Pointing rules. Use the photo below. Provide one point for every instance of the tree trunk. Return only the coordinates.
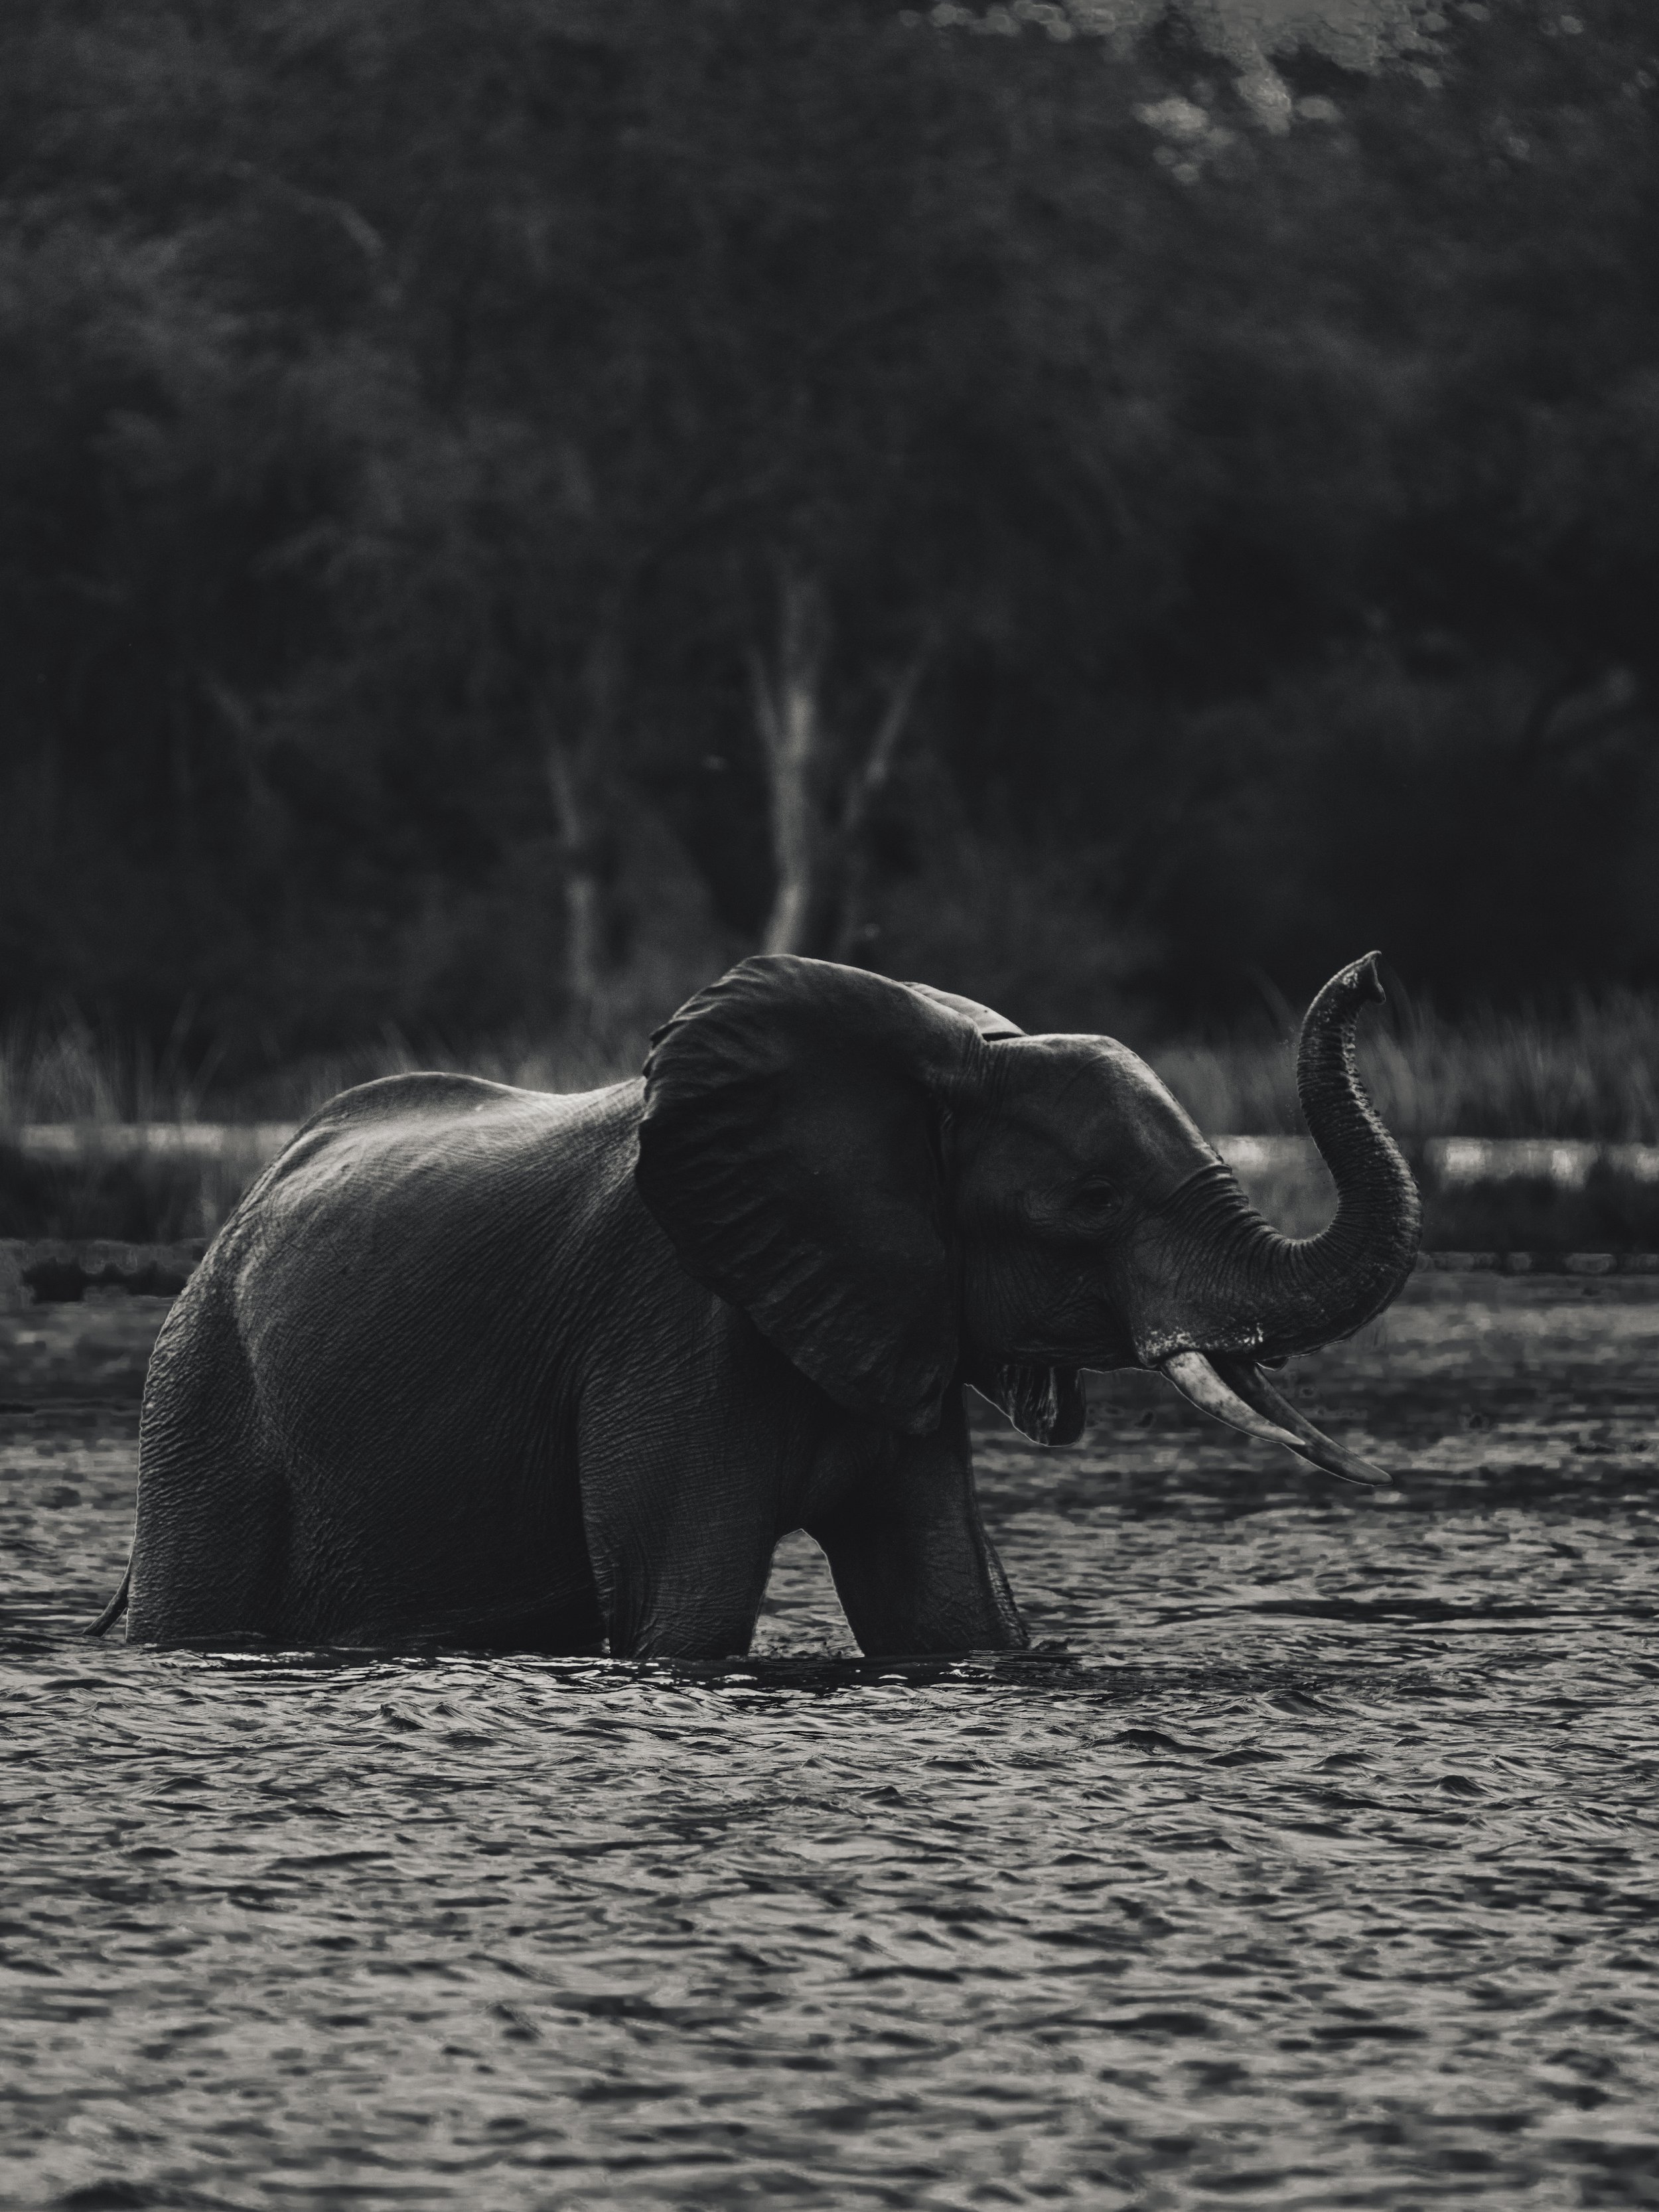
(821, 797)
(574, 767)
(863, 790)
(789, 710)
(582, 878)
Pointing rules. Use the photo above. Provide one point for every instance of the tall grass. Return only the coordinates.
(103, 1183)
(1591, 1071)
(69, 1071)
(66, 1070)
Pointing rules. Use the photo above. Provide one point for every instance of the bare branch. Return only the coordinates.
(766, 705)
(867, 785)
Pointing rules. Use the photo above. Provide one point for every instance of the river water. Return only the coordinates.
(1321, 1868)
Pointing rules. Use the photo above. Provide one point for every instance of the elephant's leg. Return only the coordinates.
(210, 1548)
(680, 1505)
(679, 1577)
(913, 1566)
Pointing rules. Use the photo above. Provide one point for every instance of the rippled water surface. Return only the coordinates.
(1322, 1869)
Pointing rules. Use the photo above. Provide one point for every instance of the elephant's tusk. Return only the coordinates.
(1197, 1381)
(1244, 1377)
(1200, 1383)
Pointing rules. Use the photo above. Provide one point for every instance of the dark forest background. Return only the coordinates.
(506, 505)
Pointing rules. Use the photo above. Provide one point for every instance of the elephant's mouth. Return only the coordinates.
(1234, 1390)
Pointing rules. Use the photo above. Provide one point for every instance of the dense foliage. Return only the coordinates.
(418, 415)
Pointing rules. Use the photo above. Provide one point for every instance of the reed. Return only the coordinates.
(1590, 1070)
(70, 1071)
(154, 1190)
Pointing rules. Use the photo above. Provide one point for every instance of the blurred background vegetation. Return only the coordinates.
(508, 505)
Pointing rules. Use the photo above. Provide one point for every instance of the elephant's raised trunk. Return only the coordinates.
(1271, 1295)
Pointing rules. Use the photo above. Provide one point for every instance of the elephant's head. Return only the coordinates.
(904, 1191)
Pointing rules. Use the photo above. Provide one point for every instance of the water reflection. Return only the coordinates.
(1319, 1867)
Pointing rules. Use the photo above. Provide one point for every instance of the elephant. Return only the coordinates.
(510, 1369)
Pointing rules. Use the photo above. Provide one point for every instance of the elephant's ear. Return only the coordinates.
(1044, 1403)
(990, 1025)
(789, 1150)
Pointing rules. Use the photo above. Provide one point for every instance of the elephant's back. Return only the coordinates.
(419, 1240)
(419, 1187)
(463, 1118)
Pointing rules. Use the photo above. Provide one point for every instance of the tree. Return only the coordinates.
(446, 444)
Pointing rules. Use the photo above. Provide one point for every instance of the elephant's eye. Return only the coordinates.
(1098, 1191)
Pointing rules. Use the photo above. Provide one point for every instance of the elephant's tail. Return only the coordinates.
(117, 1606)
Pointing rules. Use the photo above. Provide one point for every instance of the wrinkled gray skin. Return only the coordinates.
(508, 1370)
